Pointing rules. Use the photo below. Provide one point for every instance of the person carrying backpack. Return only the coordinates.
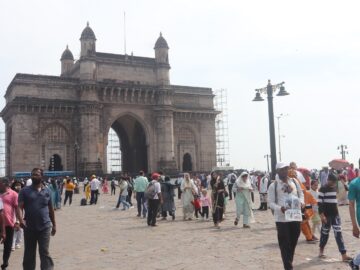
(154, 197)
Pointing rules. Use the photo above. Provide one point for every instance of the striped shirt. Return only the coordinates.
(327, 201)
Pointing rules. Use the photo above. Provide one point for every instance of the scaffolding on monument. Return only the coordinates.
(113, 152)
(222, 129)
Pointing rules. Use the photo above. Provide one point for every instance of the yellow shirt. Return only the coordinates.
(69, 187)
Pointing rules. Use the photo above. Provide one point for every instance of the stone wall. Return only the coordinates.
(143, 75)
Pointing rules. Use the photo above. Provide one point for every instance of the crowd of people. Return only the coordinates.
(301, 201)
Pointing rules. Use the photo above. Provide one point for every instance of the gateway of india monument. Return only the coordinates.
(61, 123)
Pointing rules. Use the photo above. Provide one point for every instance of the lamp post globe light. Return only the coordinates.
(270, 90)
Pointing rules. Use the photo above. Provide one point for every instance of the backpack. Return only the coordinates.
(83, 202)
(150, 192)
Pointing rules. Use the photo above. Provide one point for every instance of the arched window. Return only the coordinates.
(55, 133)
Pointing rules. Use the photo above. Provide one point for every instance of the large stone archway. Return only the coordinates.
(133, 143)
(70, 115)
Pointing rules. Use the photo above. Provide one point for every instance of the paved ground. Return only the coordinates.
(98, 237)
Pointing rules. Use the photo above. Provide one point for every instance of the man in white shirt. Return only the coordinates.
(123, 194)
(288, 232)
(94, 187)
(154, 201)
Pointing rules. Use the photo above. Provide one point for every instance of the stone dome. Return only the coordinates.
(87, 33)
(67, 54)
(161, 43)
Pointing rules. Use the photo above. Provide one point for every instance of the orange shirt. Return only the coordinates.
(69, 186)
(310, 201)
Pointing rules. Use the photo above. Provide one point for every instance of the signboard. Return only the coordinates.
(46, 173)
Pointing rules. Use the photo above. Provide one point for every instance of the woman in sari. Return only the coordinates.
(188, 189)
(218, 198)
(243, 188)
(55, 194)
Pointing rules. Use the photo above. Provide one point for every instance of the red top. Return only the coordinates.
(10, 201)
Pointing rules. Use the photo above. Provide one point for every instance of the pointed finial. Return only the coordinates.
(67, 46)
(160, 34)
(87, 23)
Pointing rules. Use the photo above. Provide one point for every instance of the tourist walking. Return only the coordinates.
(105, 186)
(40, 222)
(140, 185)
(284, 193)
(168, 194)
(94, 187)
(55, 194)
(69, 191)
(205, 204)
(188, 189)
(18, 232)
(154, 198)
(113, 186)
(10, 205)
(217, 198)
(315, 220)
(263, 191)
(329, 215)
(231, 181)
(243, 202)
(123, 195)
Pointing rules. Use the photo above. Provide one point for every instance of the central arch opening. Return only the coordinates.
(132, 154)
(55, 163)
(187, 163)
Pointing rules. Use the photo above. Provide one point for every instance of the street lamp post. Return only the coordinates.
(279, 133)
(267, 161)
(269, 90)
(343, 151)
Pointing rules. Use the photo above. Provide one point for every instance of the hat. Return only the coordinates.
(93, 176)
(155, 176)
(281, 165)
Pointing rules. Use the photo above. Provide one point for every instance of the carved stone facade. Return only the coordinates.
(160, 126)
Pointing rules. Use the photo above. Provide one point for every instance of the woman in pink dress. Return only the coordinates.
(105, 186)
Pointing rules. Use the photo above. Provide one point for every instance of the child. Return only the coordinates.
(329, 215)
(197, 205)
(316, 221)
(205, 204)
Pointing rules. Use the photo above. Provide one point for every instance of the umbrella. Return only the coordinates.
(339, 164)
(304, 171)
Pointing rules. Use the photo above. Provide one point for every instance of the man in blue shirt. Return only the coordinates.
(39, 222)
(354, 197)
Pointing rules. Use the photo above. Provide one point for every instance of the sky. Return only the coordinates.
(314, 46)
